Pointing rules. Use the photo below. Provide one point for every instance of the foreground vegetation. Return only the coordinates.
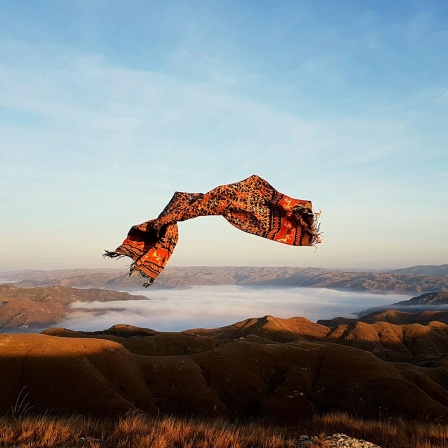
(138, 430)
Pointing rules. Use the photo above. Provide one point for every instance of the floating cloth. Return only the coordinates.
(251, 205)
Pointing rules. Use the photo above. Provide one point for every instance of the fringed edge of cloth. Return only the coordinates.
(316, 234)
(133, 270)
(308, 221)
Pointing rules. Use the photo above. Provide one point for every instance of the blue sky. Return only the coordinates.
(108, 107)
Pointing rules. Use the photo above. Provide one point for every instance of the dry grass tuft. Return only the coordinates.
(321, 442)
(169, 432)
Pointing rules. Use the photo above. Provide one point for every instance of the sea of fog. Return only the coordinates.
(216, 306)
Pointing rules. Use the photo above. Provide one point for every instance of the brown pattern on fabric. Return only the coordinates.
(251, 205)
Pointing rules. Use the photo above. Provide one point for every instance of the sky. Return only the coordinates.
(109, 107)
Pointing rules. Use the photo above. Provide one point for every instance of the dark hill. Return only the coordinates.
(431, 301)
(240, 378)
(430, 298)
(263, 366)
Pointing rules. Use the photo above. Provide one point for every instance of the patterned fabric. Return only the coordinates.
(251, 205)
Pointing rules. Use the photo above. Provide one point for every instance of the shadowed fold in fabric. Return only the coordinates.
(251, 205)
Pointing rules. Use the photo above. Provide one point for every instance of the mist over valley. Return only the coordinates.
(209, 297)
(216, 306)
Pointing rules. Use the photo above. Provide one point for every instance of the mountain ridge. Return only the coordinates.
(397, 281)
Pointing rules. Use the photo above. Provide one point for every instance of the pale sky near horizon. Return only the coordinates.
(108, 107)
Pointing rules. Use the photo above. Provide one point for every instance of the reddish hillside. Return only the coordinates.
(43, 306)
(387, 341)
(240, 378)
(266, 366)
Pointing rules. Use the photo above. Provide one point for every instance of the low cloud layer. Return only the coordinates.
(215, 306)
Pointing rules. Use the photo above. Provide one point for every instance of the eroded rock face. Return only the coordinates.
(251, 375)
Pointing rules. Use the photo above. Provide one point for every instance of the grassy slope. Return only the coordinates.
(140, 430)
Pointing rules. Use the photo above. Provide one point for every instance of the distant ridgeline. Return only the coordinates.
(413, 280)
